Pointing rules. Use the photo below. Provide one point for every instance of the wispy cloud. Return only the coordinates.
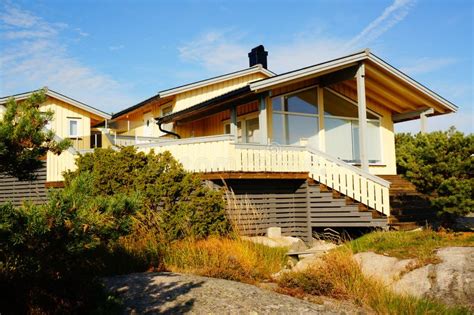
(223, 50)
(426, 64)
(392, 15)
(33, 56)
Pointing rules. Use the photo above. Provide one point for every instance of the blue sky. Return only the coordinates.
(113, 54)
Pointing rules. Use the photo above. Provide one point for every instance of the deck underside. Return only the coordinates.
(297, 206)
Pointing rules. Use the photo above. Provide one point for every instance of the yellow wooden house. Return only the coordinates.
(313, 147)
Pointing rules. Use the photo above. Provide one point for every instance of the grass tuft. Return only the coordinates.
(232, 259)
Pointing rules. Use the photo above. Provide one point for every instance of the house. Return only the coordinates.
(72, 120)
(310, 148)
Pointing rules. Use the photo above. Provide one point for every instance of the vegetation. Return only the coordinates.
(415, 244)
(23, 138)
(50, 254)
(340, 277)
(187, 207)
(232, 259)
(440, 164)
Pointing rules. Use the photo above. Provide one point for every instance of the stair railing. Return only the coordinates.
(349, 180)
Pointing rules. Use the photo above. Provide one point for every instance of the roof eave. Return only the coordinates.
(199, 84)
(60, 97)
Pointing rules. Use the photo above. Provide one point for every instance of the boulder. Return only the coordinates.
(385, 268)
(451, 280)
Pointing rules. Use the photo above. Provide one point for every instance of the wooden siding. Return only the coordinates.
(15, 191)
(196, 96)
(294, 205)
(213, 125)
(62, 112)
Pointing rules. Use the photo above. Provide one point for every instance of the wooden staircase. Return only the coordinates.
(409, 208)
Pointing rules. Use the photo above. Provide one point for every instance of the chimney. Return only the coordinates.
(258, 55)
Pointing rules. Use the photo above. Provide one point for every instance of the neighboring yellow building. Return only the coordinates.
(72, 120)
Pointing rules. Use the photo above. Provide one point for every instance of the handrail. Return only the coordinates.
(355, 169)
(186, 141)
(269, 146)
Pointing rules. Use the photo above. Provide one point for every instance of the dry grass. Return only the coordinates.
(231, 259)
(245, 217)
(145, 242)
(339, 276)
(420, 245)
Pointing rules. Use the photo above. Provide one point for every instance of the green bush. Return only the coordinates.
(51, 254)
(187, 207)
(440, 164)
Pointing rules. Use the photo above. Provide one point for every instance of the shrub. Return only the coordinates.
(440, 164)
(50, 254)
(187, 207)
(232, 259)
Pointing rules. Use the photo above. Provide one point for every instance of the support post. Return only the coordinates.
(361, 103)
(233, 123)
(321, 132)
(262, 119)
(424, 119)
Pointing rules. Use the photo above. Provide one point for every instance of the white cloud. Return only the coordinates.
(225, 50)
(34, 56)
(426, 65)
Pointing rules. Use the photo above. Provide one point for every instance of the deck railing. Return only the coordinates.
(222, 154)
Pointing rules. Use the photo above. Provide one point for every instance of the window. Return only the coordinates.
(73, 128)
(248, 129)
(342, 130)
(295, 118)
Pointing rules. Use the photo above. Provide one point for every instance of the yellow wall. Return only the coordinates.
(60, 123)
(182, 101)
(196, 96)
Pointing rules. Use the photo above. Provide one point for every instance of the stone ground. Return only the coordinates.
(172, 293)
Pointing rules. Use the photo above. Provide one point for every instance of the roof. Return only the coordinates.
(198, 84)
(131, 108)
(60, 97)
(209, 105)
(225, 77)
(344, 62)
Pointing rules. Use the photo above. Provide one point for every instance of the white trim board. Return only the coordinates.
(60, 97)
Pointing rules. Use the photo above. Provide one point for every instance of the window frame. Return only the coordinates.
(77, 120)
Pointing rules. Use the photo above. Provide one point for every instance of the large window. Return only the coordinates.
(342, 130)
(295, 118)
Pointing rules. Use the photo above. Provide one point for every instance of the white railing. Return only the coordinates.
(222, 154)
(120, 140)
(349, 180)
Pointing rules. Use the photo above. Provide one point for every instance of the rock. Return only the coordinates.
(451, 281)
(416, 282)
(322, 245)
(454, 281)
(274, 232)
(387, 269)
(293, 244)
(306, 263)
